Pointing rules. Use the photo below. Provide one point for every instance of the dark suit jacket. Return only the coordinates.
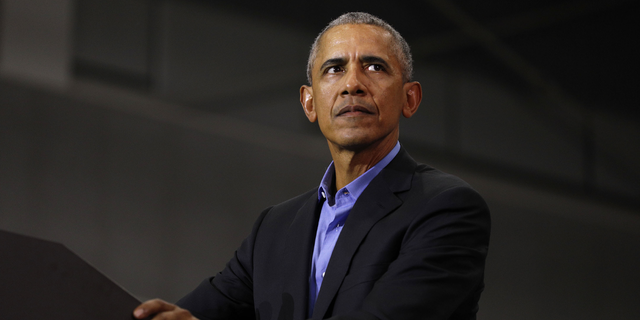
(413, 247)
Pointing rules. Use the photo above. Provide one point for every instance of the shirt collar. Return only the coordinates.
(357, 186)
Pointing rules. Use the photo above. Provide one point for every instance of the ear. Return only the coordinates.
(413, 91)
(306, 99)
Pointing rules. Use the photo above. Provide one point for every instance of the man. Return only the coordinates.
(382, 237)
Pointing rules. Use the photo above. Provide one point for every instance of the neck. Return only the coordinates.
(350, 164)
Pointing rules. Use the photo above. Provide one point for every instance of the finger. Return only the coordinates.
(151, 307)
(176, 314)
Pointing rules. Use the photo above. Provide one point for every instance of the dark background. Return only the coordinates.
(148, 135)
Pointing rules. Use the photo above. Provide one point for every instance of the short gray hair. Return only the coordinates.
(400, 45)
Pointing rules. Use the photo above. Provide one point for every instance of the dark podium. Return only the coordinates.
(44, 280)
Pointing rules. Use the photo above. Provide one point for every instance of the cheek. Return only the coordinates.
(324, 102)
(322, 110)
(391, 103)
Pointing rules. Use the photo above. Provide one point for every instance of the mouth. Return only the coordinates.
(354, 110)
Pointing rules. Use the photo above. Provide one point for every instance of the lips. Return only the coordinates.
(354, 109)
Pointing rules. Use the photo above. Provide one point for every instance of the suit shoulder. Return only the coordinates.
(404, 174)
(434, 182)
(296, 201)
(436, 178)
(288, 208)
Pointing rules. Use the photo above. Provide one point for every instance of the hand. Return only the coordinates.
(162, 311)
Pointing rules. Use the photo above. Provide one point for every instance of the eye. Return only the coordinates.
(333, 69)
(375, 67)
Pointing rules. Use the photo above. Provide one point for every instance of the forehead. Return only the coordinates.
(356, 39)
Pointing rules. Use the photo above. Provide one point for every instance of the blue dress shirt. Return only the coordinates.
(335, 210)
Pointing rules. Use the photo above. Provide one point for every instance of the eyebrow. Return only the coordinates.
(375, 60)
(333, 62)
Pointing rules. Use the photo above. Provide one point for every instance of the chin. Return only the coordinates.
(357, 139)
(356, 143)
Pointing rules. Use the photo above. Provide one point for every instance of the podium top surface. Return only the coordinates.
(44, 279)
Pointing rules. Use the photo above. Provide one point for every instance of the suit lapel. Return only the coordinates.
(378, 200)
(297, 263)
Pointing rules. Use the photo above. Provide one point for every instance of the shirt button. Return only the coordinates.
(323, 274)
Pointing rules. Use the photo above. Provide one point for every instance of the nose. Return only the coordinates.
(353, 84)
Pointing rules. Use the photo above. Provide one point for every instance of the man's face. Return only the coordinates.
(358, 93)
